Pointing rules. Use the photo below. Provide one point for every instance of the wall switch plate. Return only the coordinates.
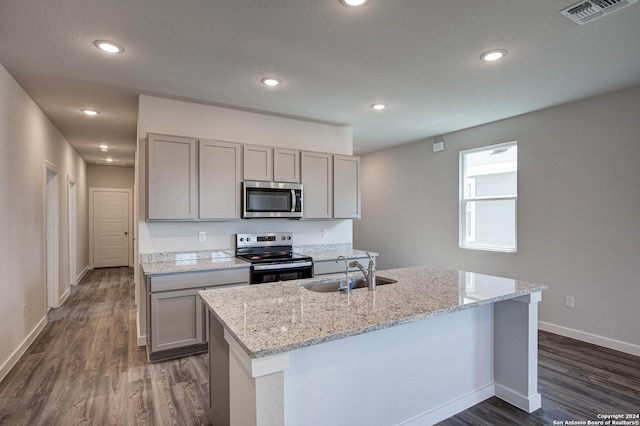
(569, 302)
(325, 232)
(202, 236)
(24, 311)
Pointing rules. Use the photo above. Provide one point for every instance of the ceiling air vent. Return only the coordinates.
(586, 11)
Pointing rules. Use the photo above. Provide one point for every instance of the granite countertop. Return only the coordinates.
(319, 256)
(208, 260)
(268, 319)
(175, 262)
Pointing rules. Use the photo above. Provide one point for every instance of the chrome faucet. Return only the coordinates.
(369, 274)
(346, 273)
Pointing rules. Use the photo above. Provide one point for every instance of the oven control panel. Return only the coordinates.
(265, 239)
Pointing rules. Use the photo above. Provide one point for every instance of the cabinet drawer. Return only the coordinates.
(199, 279)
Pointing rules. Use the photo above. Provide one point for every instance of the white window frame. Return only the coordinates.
(463, 233)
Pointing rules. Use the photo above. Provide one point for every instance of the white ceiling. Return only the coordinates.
(421, 57)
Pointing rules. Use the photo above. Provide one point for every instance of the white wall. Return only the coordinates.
(27, 139)
(158, 115)
(99, 176)
(578, 212)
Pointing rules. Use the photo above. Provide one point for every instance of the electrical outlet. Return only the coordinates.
(569, 302)
(325, 232)
(202, 236)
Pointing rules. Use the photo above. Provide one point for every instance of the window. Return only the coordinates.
(488, 195)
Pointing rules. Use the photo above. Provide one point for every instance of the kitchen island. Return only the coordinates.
(413, 352)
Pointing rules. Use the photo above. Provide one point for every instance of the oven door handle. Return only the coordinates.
(282, 266)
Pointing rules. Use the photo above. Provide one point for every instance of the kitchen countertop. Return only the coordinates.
(175, 262)
(209, 260)
(272, 318)
(319, 256)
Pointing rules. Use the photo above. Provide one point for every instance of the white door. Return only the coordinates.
(110, 228)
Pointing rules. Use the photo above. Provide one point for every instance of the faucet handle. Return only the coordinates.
(371, 259)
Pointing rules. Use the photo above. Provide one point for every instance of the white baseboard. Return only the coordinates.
(142, 339)
(82, 274)
(606, 342)
(452, 408)
(22, 348)
(527, 404)
(64, 297)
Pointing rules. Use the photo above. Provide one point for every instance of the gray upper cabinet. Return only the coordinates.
(220, 180)
(258, 163)
(171, 178)
(317, 182)
(286, 165)
(346, 187)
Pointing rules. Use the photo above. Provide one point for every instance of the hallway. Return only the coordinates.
(85, 368)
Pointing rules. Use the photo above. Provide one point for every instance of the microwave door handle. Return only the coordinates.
(293, 201)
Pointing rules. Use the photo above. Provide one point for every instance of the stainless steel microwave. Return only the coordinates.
(271, 199)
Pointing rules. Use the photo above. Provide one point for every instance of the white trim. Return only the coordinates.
(51, 213)
(527, 404)
(464, 199)
(606, 342)
(22, 348)
(453, 407)
(64, 297)
(72, 224)
(142, 338)
(82, 274)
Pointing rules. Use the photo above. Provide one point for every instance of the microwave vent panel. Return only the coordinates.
(586, 11)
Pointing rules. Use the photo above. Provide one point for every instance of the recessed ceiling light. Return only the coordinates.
(89, 111)
(109, 160)
(354, 3)
(103, 147)
(378, 106)
(493, 55)
(271, 81)
(108, 46)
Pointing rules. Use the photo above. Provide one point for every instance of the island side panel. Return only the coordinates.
(256, 387)
(416, 373)
(218, 373)
(516, 351)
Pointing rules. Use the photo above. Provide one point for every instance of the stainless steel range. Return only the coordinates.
(272, 257)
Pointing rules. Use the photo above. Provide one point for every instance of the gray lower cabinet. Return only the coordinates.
(176, 317)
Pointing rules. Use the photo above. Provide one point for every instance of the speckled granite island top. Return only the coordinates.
(268, 319)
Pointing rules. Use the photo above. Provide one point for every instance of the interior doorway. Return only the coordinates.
(52, 224)
(110, 226)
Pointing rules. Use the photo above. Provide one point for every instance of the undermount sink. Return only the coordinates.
(334, 285)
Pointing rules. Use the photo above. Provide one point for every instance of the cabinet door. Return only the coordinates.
(177, 320)
(220, 180)
(286, 165)
(317, 185)
(171, 178)
(258, 163)
(346, 187)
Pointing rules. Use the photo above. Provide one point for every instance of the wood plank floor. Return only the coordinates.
(85, 368)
